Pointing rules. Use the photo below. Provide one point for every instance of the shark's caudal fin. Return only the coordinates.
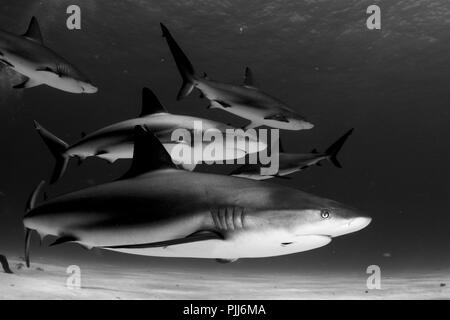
(31, 203)
(334, 149)
(33, 31)
(183, 64)
(58, 149)
(150, 103)
(148, 154)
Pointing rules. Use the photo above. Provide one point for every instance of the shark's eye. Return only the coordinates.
(325, 214)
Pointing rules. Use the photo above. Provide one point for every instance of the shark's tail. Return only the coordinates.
(183, 64)
(58, 149)
(334, 149)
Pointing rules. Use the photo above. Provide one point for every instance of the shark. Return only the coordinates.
(116, 141)
(156, 209)
(27, 55)
(294, 162)
(245, 101)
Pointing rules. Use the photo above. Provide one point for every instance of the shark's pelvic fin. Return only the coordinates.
(248, 78)
(195, 237)
(150, 103)
(58, 149)
(28, 83)
(148, 154)
(34, 31)
(183, 64)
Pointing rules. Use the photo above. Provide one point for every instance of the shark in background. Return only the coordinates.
(28, 56)
(155, 209)
(294, 162)
(116, 141)
(245, 101)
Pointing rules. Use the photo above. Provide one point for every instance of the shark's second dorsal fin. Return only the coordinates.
(150, 103)
(33, 31)
(248, 78)
(148, 155)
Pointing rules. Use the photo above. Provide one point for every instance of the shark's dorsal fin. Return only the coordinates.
(314, 151)
(150, 103)
(33, 31)
(148, 155)
(248, 78)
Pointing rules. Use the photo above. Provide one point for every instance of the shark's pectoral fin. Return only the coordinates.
(64, 239)
(277, 117)
(49, 71)
(226, 260)
(203, 235)
(28, 83)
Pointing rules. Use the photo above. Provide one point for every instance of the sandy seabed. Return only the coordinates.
(45, 281)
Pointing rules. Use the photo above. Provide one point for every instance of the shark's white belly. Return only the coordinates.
(247, 245)
(38, 77)
(253, 111)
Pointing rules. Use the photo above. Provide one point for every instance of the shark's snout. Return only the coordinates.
(305, 125)
(359, 223)
(88, 88)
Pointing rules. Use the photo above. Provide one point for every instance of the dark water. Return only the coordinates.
(391, 85)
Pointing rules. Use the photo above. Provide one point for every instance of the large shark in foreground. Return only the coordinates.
(294, 162)
(245, 101)
(116, 141)
(157, 210)
(29, 56)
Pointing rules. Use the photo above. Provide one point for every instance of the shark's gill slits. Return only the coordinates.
(228, 218)
(62, 70)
